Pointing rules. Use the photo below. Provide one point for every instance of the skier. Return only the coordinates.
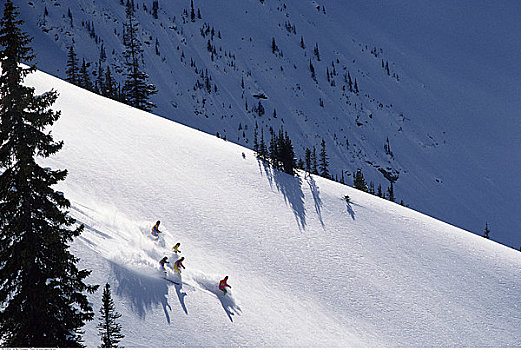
(224, 283)
(163, 261)
(176, 248)
(178, 264)
(155, 229)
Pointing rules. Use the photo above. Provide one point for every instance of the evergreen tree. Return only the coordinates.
(314, 169)
(84, 77)
(72, 67)
(380, 193)
(287, 154)
(41, 288)
(273, 150)
(324, 172)
(136, 90)
(312, 70)
(260, 109)
(256, 143)
(390, 192)
(109, 86)
(100, 79)
(155, 8)
(192, 11)
(316, 52)
(69, 14)
(109, 328)
(359, 181)
(308, 161)
(371, 187)
(262, 147)
(487, 231)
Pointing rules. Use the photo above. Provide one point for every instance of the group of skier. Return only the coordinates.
(178, 264)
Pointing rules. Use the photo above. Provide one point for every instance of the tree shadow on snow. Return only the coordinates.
(144, 292)
(316, 198)
(267, 171)
(291, 188)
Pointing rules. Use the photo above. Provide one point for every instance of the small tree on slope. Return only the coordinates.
(359, 181)
(487, 231)
(109, 328)
(41, 290)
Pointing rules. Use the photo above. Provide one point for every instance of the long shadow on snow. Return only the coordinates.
(144, 292)
(350, 211)
(95, 230)
(228, 304)
(316, 198)
(291, 188)
(181, 295)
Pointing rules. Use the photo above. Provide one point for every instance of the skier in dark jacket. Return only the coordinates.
(164, 261)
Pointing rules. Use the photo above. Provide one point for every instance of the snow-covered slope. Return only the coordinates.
(449, 105)
(306, 269)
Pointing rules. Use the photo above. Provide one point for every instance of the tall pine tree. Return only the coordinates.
(108, 327)
(72, 71)
(324, 172)
(84, 77)
(307, 161)
(42, 292)
(137, 90)
(109, 88)
(314, 169)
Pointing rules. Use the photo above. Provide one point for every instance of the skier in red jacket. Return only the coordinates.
(155, 229)
(224, 283)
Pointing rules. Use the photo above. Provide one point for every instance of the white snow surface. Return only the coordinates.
(306, 269)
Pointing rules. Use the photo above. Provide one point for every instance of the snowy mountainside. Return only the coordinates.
(451, 127)
(306, 268)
